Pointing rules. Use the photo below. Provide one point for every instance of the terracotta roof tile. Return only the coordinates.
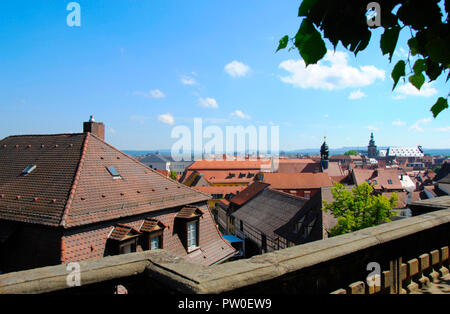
(293, 181)
(250, 192)
(71, 185)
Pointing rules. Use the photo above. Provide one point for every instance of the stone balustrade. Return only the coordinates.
(411, 253)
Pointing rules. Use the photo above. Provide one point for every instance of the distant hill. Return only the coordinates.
(306, 151)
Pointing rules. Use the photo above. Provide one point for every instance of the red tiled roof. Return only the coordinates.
(151, 225)
(228, 164)
(189, 212)
(71, 185)
(217, 189)
(297, 181)
(120, 232)
(250, 192)
(163, 172)
(381, 176)
(224, 176)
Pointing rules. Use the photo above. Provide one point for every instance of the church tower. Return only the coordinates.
(324, 155)
(372, 148)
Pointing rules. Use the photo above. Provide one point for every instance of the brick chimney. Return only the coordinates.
(96, 128)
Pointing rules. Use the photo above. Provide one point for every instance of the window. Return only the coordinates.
(192, 237)
(241, 226)
(390, 181)
(307, 194)
(308, 229)
(28, 170)
(298, 225)
(113, 172)
(153, 232)
(155, 243)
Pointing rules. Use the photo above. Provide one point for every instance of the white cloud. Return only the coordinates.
(445, 129)
(356, 95)
(418, 125)
(326, 116)
(410, 90)
(371, 128)
(398, 122)
(112, 131)
(155, 93)
(240, 114)
(208, 103)
(237, 69)
(332, 73)
(166, 118)
(187, 80)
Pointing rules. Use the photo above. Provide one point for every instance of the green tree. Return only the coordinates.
(345, 21)
(351, 153)
(358, 208)
(173, 175)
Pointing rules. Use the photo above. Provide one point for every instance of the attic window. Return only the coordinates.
(28, 170)
(390, 181)
(113, 172)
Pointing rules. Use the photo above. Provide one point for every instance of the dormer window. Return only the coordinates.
(113, 172)
(188, 224)
(153, 232)
(390, 181)
(28, 170)
(122, 240)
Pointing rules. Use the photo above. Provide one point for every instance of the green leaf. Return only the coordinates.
(438, 51)
(413, 44)
(440, 105)
(305, 7)
(283, 43)
(388, 41)
(419, 66)
(417, 80)
(398, 72)
(309, 42)
(433, 69)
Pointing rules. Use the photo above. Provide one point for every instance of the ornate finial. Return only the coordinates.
(91, 119)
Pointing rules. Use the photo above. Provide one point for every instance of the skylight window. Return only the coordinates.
(112, 171)
(28, 170)
(390, 181)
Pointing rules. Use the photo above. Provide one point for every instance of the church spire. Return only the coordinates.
(324, 153)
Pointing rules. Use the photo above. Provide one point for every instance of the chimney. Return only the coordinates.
(96, 128)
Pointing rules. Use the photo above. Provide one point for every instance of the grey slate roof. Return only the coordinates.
(156, 158)
(270, 210)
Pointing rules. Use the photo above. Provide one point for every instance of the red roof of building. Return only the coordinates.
(217, 189)
(250, 192)
(297, 181)
(71, 185)
(229, 164)
(387, 179)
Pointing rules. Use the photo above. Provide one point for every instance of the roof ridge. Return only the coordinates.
(68, 205)
(143, 165)
(287, 194)
(39, 135)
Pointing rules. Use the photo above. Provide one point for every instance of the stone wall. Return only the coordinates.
(410, 252)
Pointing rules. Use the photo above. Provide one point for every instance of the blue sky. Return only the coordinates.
(144, 67)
